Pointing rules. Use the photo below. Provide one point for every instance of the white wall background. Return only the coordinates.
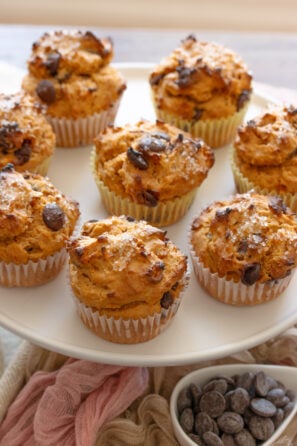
(247, 15)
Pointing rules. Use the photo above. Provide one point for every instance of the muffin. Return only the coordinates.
(35, 222)
(26, 138)
(150, 171)
(244, 249)
(203, 88)
(264, 156)
(70, 73)
(127, 278)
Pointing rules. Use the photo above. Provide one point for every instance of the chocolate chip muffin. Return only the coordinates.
(244, 248)
(35, 222)
(204, 88)
(26, 138)
(264, 154)
(70, 73)
(150, 171)
(127, 278)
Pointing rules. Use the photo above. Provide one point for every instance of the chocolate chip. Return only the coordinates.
(24, 153)
(239, 400)
(148, 198)
(277, 205)
(184, 400)
(167, 300)
(9, 167)
(137, 159)
(243, 246)
(46, 91)
(185, 76)
(262, 407)
(161, 135)
(230, 422)
(262, 384)
(251, 273)
(152, 143)
(228, 440)
(196, 439)
(277, 397)
(222, 214)
(242, 99)
(244, 438)
(203, 423)
(220, 385)
(130, 219)
(187, 420)
(212, 403)
(261, 428)
(212, 439)
(278, 417)
(53, 216)
(52, 63)
(197, 114)
(155, 272)
(156, 78)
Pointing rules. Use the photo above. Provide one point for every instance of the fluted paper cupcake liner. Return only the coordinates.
(215, 132)
(32, 273)
(163, 214)
(243, 185)
(237, 293)
(126, 331)
(82, 131)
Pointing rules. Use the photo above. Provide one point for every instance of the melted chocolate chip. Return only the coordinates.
(156, 78)
(46, 91)
(167, 300)
(130, 219)
(221, 214)
(52, 63)
(137, 159)
(8, 168)
(197, 114)
(24, 153)
(277, 205)
(243, 246)
(152, 144)
(148, 198)
(185, 76)
(242, 98)
(161, 135)
(53, 216)
(7, 131)
(251, 273)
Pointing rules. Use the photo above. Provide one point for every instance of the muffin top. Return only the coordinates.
(26, 138)
(151, 162)
(35, 218)
(60, 54)
(125, 268)
(249, 238)
(69, 73)
(265, 149)
(201, 80)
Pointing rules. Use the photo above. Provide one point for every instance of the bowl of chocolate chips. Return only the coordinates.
(234, 405)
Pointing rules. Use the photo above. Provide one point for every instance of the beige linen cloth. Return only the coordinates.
(147, 421)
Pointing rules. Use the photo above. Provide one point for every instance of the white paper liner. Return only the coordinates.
(82, 131)
(236, 293)
(126, 331)
(215, 132)
(243, 185)
(129, 331)
(32, 273)
(164, 214)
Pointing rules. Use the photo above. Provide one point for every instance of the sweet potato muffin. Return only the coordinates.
(70, 73)
(127, 278)
(35, 222)
(149, 170)
(264, 154)
(26, 138)
(244, 248)
(204, 88)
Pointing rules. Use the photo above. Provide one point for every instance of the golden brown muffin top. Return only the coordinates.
(125, 268)
(266, 149)
(35, 218)
(26, 138)
(249, 238)
(201, 80)
(151, 162)
(69, 73)
(62, 53)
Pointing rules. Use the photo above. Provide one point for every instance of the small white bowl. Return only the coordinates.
(284, 374)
